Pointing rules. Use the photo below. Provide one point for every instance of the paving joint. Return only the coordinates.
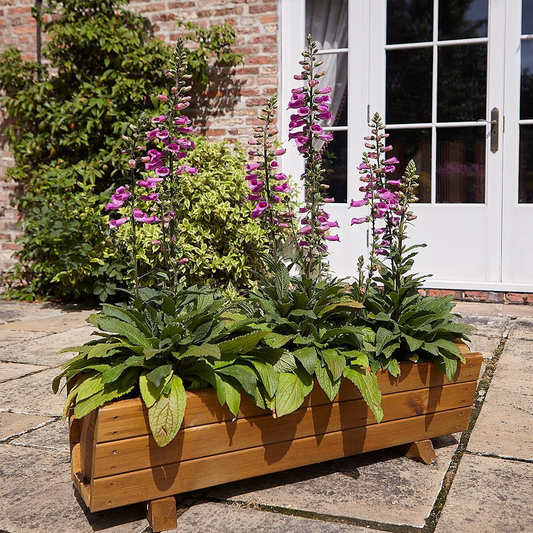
(319, 517)
(8, 439)
(498, 456)
(43, 369)
(481, 393)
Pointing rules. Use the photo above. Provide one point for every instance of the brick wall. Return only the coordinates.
(230, 105)
(482, 296)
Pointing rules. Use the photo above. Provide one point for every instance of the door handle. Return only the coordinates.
(494, 129)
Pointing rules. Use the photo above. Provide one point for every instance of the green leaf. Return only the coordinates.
(357, 358)
(166, 414)
(394, 368)
(243, 374)
(450, 365)
(149, 391)
(110, 392)
(90, 387)
(268, 376)
(159, 374)
(132, 333)
(330, 386)
(282, 281)
(335, 362)
(349, 305)
(383, 336)
(367, 384)
(205, 350)
(243, 344)
(308, 357)
(303, 312)
(276, 340)
(414, 344)
(289, 395)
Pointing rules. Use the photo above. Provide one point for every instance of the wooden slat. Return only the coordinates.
(211, 439)
(420, 450)
(75, 466)
(162, 515)
(161, 481)
(88, 443)
(128, 418)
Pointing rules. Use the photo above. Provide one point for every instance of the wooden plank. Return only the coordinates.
(421, 450)
(162, 515)
(88, 444)
(77, 478)
(185, 476)
(128, 418)
(141, 452)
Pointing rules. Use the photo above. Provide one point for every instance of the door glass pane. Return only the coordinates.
(409, 21)
(463, 19)
(526, 91)
(462, 83)
(409, 75)
(527, 17)
(525, 183)
(414, 144)
(327, 22)
(335, 159)
(461, 165)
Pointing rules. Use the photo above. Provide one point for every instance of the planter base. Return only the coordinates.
(162, 515)
(421, 450)
(116, 462)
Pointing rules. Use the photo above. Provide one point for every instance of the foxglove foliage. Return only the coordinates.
(310, 106)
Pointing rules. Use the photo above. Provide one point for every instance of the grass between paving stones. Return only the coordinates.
(481, 394)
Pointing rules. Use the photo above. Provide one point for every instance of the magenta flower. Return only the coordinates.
(115, 223)
(162, 134)
(303, 111)
(332, 238)
(183, 261)
(251, 166)
(391, 161)
(162, 171)
(361, 220)
(358, 203)
(154, 197)
(184, 169)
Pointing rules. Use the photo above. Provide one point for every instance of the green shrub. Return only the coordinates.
(215, 231)
(64, 129)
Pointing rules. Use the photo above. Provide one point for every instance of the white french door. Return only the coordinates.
(454, 82)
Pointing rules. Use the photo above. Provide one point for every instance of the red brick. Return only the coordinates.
(496, 297)
(261, 8)
(515, 297)
(11, 246)
(268, 19)
(259, 60)
(443, 292)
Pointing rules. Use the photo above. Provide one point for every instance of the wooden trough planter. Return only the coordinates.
(115, 460)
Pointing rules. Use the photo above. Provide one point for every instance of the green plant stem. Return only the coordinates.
(133, 226)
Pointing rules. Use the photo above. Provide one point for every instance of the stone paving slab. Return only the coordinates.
(8, 337)
(55, 324)
(32, 394)
(53, 436)
(9, 371)
(505, 425)
(14, 311)
(522, 329)
(222, 518)
(485, 345)
(379, 486)
(489, 495)
(14, 423)
(43, 351)
(36, 494)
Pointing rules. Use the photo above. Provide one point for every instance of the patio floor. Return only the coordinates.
(482, 481)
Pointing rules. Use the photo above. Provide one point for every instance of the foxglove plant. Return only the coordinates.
(269, 188)
(155, 176)
(310, 104)
(383, 197)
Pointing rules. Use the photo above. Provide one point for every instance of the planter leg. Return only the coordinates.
(162, 515)
(420, 450)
